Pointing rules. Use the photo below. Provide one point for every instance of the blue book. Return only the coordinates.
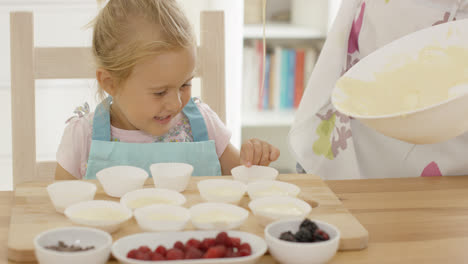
(291, 78)
(284, 78)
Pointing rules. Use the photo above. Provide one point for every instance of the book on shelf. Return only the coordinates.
(287, 71)
(272, 81)
(283, 79)
(289, 102)
(299, 77)
(261, 92)
(276, 87)
(266, 89)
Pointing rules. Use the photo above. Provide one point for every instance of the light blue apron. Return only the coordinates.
(104, 153)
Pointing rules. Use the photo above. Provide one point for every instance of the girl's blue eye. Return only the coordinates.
(160, 94)
(186, 85)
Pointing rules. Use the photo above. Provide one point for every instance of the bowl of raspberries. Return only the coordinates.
(301, 241)
(190, 247)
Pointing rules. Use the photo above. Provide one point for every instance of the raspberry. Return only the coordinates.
(245, 246)
(218, 251)
(193, 243)
(157, 256)
(207, 243)
(161, 250)
(244, 252)
(179, 245)
(236, 242)
(229, 253)
(320, 235)
(144, 249)
(193, 253)
(223, 239)
(174, 253)
(143, 255)
(132, 253)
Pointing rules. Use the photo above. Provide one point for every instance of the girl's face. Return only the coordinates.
(155, 92)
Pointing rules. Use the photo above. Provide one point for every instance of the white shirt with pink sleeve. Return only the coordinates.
(74, 148)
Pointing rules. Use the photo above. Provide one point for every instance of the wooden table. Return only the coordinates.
(416, 220)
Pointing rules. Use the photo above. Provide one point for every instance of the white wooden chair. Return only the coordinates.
(30, 63)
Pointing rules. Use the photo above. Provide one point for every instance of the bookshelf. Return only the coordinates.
(282, 31)
(271, 119)
(281, 38)
(268, 118)
(287, 31)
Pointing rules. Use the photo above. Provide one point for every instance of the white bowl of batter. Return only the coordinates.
(414, 89)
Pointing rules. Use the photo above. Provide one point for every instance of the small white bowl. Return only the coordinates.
(301, 253)
(121, 247)
(222, 191)
(65, 193)
(254, 173)
(174, 176)
(119, 180)
(149, 196)
(105, 215)
(272, 208)
(78, 236)
(162, 217)
(259, 189)
(217, 216)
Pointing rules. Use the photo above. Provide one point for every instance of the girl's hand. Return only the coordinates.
(258, 152)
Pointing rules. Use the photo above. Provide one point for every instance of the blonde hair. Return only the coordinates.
(116, 45)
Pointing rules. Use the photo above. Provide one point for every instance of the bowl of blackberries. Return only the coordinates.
(301, 241)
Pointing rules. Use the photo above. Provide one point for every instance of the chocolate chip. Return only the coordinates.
(62, 247)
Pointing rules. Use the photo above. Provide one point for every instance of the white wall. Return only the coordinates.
(56, 100)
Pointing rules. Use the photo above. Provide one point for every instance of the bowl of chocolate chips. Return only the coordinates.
(73, 245)
(302, 241)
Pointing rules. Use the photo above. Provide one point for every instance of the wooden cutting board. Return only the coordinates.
(33, 213)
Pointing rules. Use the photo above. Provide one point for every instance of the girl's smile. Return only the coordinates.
(163, 120)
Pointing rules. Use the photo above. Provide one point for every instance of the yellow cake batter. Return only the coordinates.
(281, 209)
(164, 217)
(224, 191)
(215, 216)
(148, 200)
(420, 82)
(271, 191)
(100, 214)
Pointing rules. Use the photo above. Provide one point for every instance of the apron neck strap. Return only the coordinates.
(101, 121)
(197, 122)
(102, 126)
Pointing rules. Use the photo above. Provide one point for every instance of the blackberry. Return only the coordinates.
(311, 226)
(304, 235)
(288, 236)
